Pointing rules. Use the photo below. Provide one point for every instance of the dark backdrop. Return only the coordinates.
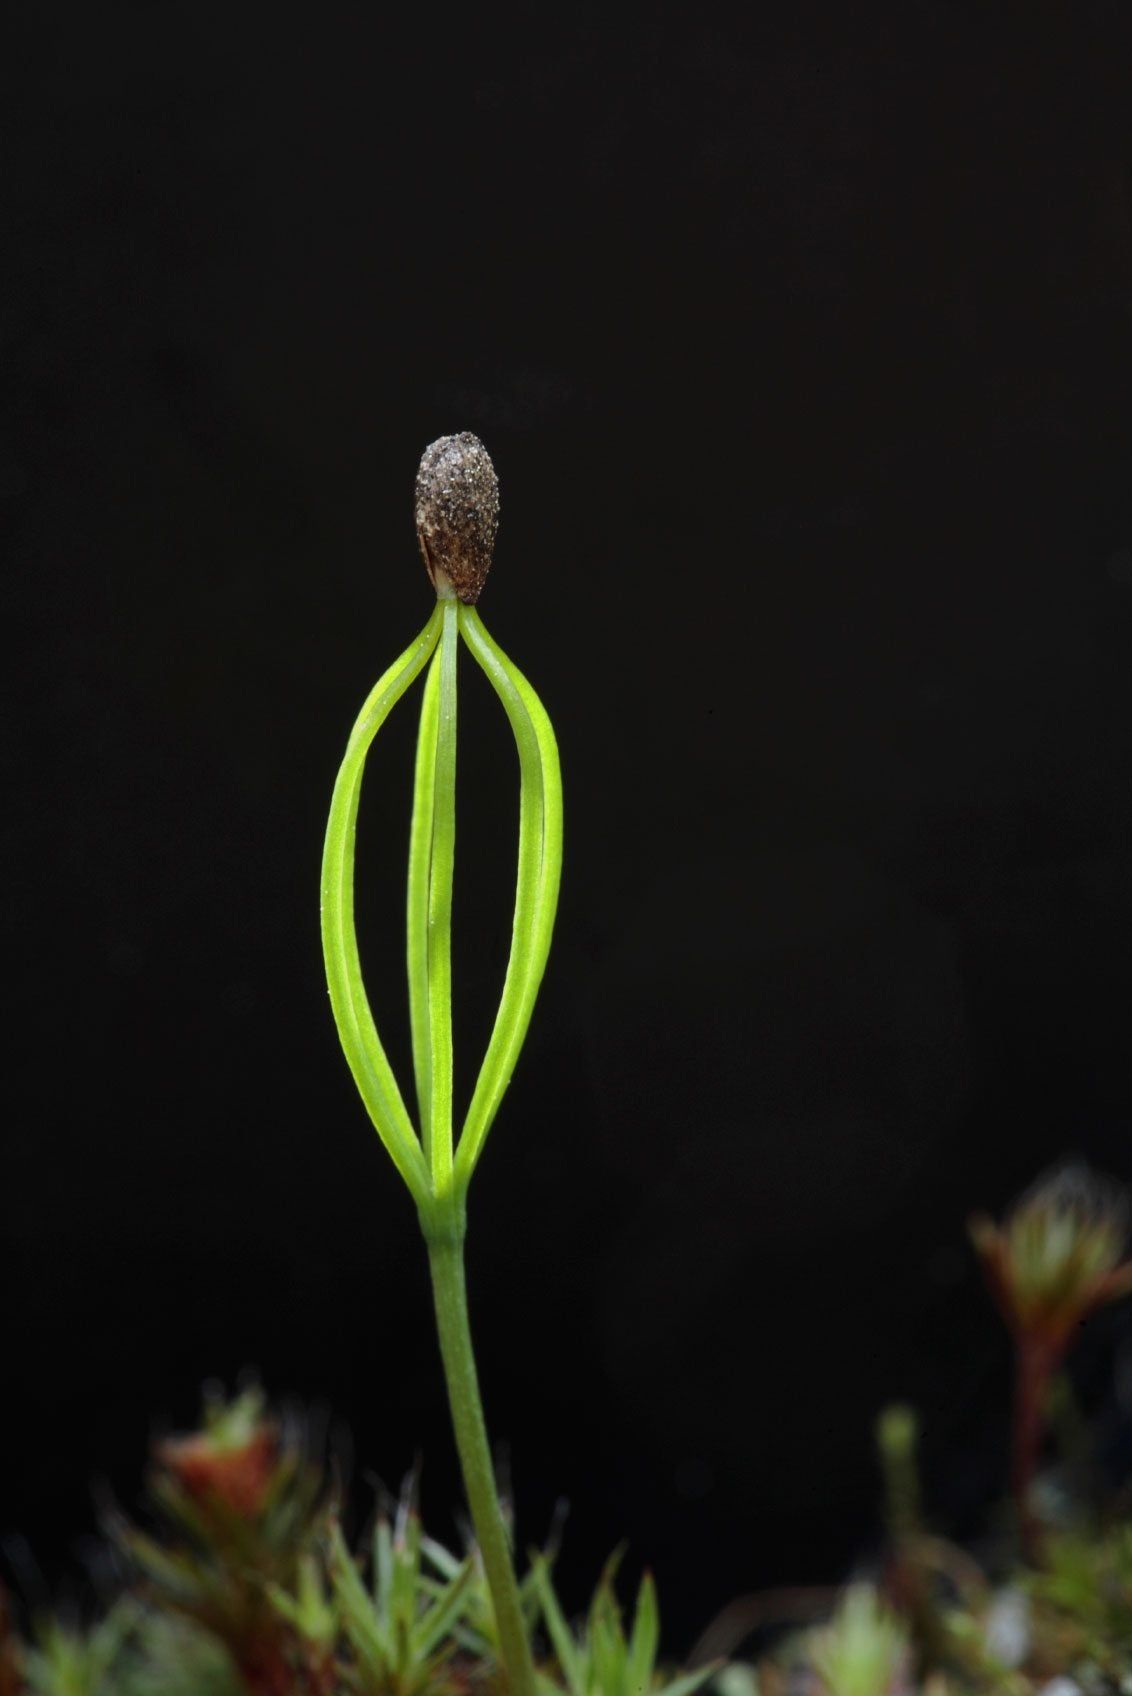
(804, 351)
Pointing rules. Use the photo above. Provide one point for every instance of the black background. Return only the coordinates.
(803, 347)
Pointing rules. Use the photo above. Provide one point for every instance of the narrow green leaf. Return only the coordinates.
(644, 1639)
(420, 869)
(689, 1681)
(357, 1032)
(440, 907)
(406, 1573)
(536, 888)
(359, 1621)
(561, 1637)
(442, 1559)
(174, 1573)
(384, 1568)
(109, 1637)
(606, 1645)
(438, 1622)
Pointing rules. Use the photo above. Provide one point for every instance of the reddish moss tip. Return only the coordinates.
(457, 514)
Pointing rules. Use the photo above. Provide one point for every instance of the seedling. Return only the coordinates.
(602, 1660)
(399, 1634)
(457, 511)
(238, 1507)
(1057, 1257)
(66, 1662)
(863, 1651)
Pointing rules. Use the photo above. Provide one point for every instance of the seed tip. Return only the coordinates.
(457, 515)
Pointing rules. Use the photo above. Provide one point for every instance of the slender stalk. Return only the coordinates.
(450, 1296)
(1035, 1363)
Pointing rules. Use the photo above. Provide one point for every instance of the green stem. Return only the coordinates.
(449, 1288)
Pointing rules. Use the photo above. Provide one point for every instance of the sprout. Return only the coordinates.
(863, 1651)
(1056, 1258)
(232, 1461)
(1058, 1255)
(457, 513)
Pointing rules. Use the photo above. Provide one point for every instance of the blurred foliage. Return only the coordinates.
(242, 1580)
(602, 1659)
(243, 1583)
(864, 1650)
(1058, 1254)
(1053, 1615)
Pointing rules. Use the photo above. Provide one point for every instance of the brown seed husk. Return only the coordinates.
(457, 514)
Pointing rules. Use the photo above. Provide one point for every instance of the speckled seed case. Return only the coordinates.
(457, 513)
